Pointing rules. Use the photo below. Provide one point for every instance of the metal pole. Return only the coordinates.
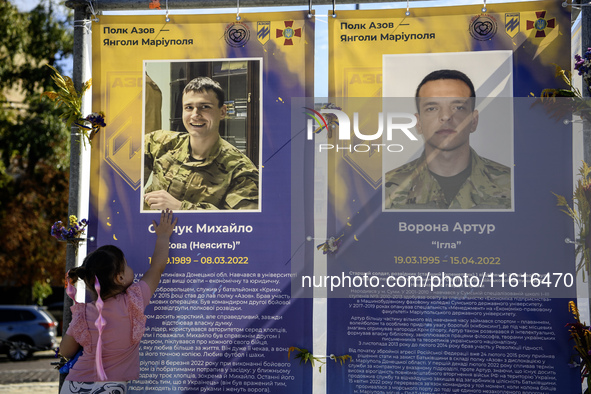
(586, 43)
(139, 5)
(81, 37)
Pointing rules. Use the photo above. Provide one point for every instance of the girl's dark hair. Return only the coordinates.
(105, 263)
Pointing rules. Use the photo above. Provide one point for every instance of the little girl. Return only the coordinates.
(110, 328)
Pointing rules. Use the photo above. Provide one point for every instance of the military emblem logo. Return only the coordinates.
(541, 24)
(512, 24)
(263, 32)
(288, 33)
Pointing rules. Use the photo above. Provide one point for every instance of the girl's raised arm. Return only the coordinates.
(160, 255)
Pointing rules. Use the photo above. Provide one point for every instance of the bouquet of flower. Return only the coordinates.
(581, 335)
(331, 245)
(72, 233)
(304, 355)
(571, 99)
(96, 121)
(70, 100)
(583, 66)
(580, 212)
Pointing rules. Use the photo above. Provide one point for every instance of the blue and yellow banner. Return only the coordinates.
(440, 177)
(222, 319)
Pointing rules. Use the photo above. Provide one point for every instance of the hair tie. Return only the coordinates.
(100, 325)
(70, 289)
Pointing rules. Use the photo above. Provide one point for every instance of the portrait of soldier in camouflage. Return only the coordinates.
(197, 169)
(449, 174)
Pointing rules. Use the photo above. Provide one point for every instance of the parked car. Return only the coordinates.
(25, 329)
(56, 310)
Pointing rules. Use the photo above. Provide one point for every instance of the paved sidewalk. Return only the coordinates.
(28, 388)
(35, 376)
(18, 376)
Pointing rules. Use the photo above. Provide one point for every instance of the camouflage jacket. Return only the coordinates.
(227, 179)
(412, 186)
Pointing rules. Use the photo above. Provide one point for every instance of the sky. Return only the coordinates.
(321, 15)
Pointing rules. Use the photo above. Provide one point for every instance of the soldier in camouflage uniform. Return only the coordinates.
(198, 170)
(449, 174)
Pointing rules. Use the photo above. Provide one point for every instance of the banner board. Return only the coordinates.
(222, 319)
(419, 279)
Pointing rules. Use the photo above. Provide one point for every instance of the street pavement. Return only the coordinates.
(28, 388)
(36, 375)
